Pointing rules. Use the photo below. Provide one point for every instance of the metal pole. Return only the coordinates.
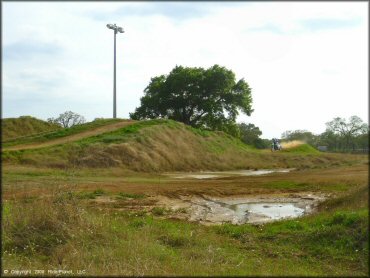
(114, 78)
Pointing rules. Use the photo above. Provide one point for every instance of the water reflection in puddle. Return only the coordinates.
(208, 175)
(210, 210)
(269, 210)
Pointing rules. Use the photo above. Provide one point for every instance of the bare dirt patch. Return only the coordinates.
(238, 210)
(218, 174)
(210, 210)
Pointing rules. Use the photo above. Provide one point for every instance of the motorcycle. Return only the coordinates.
(275, 146)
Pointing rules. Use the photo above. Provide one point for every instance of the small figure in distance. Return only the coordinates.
(275, 146)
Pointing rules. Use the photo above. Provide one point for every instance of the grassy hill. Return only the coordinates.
(24, 126)
(58, 133)
(301, 149)
(162, 145)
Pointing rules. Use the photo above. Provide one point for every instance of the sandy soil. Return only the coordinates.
(71, 138)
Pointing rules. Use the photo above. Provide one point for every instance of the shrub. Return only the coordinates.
(41, 227)
(122, 195)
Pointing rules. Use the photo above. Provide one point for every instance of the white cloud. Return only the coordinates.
(306, 61)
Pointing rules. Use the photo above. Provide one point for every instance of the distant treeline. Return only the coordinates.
(340, 136)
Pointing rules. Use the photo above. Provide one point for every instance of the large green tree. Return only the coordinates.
(208, 98)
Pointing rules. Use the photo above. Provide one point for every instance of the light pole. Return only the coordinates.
(116, 30)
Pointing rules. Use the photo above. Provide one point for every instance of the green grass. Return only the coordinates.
(201, 132)
(284, 185)
(304, 186)
(90, 195)
(125, 134)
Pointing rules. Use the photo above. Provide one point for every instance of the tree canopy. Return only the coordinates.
(250, 134)
(348, 131)
(208, 98)
(340, 135)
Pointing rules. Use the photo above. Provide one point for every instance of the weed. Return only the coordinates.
(32, 229)
(159, 211)
(346, 219)
(283, 185)
(90, 195)
(175, 241)
(233, 230)
(181, 210)
(137, 223)
(123, 196)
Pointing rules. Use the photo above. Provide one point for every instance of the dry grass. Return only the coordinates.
(24, 126)
(43, 227)
(162, 146)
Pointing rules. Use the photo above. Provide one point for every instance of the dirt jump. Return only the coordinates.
(71, 138)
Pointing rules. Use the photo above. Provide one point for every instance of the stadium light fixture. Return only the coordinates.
(116, 30)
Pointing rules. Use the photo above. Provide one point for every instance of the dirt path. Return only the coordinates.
(71, 138)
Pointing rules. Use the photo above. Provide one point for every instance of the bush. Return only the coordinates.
(346, 219)
(122, 195)
(175, 241)
(159, 211)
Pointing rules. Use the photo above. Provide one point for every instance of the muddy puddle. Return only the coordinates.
(219, 174)
(240, 210)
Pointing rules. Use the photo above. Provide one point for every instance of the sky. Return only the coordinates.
(306, 62)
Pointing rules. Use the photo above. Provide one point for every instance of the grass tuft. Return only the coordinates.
(124, 196)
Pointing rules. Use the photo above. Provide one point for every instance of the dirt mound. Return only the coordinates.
(72, 138)
(301, 149)
(24, 126)
(159, 146)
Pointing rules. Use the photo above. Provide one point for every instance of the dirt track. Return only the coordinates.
(71, 138)
(232, 186)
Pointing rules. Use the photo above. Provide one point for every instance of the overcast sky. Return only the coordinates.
(306, 62)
